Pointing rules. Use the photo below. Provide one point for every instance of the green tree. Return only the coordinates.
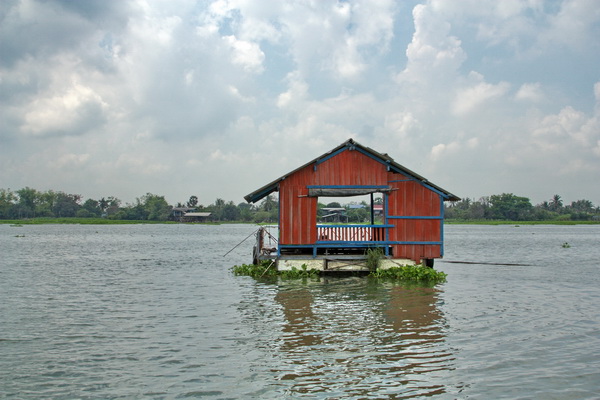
(154, 207)
(44, 206)
(268, 204)
(582, 206)
(110, 207)
(66, 205)
(192, 202)
(230, 212)
(358, 215)
(246, 211)
(7, 203)
(581, 210)
(90, 208)
(556, 204)
(217, 209)
(28, 198)
(261, 217)
(103, 204)
(510, 207)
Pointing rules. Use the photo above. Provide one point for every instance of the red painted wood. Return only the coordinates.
(298, 213)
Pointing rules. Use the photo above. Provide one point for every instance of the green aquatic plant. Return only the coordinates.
(566, 245)
(417, 273)
(267, 269)
(302, 273)
(374, 256)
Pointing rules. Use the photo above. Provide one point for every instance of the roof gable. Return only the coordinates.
(350, 144)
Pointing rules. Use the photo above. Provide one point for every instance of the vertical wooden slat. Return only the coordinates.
(298, 213)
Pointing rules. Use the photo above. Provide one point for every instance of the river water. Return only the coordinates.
(153, 312)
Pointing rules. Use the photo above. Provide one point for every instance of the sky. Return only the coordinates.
(218, 98)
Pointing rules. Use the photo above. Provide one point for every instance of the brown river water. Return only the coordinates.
(153, 312)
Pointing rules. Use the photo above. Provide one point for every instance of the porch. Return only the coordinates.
(340, 240)
(352, 234)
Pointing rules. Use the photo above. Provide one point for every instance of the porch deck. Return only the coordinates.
(333, 241)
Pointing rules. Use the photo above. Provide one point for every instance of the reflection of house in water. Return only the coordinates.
(297, 308)
(367, 346)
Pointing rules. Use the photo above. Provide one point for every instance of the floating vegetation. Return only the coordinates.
(374, 256)
(16, 225)
(566, 245)
(19, 235)
(408, 273)
(264, 269)
(302, 273)
(417, 273)
(267, 269)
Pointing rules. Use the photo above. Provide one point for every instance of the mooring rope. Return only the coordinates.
(241, 242)
(265, 271)
(485, 263)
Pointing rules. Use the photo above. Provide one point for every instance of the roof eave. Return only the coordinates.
(350, 143)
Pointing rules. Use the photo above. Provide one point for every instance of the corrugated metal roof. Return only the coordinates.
(197, 214)
(350, 144)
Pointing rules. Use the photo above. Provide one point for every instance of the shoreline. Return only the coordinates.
(104, 221)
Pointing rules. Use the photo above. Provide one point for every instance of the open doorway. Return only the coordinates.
(354, 210)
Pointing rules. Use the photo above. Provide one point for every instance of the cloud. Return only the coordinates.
(439, 150)
(219, 97)
(74, 112)
(432, 48)
(70, 161)
(246, 54)
(470, 97)
(530, 92)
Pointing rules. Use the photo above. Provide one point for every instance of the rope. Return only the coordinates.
(265, 271)
(485, 263)
(241, 242)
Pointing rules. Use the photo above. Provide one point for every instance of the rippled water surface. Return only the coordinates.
(152, 311)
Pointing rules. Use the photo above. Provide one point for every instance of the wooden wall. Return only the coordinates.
(411, 199)
(298, 212)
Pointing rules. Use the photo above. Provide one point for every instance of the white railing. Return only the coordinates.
(351, 233)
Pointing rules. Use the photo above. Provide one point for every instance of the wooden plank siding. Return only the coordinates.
(413, 206)
(298, 213)
(415, 212)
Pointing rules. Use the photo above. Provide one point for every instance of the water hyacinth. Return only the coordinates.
(417, 273)
(267, 269)
(412, 273)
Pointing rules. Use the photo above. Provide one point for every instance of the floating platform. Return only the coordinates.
(337, 263)
(265, 248)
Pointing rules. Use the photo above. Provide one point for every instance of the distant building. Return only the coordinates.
(178, 212)
(196, 217)
(189, 214)
(334, 214)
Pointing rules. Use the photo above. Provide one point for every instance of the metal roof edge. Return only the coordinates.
(273, 186)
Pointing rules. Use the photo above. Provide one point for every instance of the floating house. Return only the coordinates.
(410, 229)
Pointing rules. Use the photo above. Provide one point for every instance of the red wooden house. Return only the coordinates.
(413, 209)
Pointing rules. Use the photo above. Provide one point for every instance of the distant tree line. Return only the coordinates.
(508, 206)
(31, 203)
